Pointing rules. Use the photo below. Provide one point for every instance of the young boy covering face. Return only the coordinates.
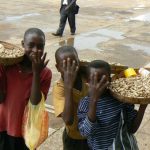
(67, 93)
(23, 81)
(107, 123)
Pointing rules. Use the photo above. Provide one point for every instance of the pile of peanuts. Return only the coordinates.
(134, 87)
(7, 53)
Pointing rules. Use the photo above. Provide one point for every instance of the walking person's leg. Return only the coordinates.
(72, 22)
(63, 19)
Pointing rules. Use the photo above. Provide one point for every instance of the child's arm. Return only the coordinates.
(135, 124)
(70, 72)
(86, 127)
(38, 63)
(3, 83)
(87, 107)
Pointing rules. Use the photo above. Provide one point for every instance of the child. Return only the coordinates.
(67, 93)
(25, 81)
(107, 123)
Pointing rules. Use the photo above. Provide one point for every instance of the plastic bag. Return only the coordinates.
(35, 124)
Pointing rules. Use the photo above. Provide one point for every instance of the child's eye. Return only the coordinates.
(41, 46)
(31, 45)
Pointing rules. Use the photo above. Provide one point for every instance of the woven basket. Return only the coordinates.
(10, 61)
(131, 100)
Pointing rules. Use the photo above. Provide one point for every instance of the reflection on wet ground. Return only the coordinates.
(141, 6)
(91, 40)
(17, 18)
(138, 47)
(144, 17)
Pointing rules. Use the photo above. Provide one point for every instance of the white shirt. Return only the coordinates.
(65, 2)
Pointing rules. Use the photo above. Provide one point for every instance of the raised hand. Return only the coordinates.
(39, 61)
(96, 88)
(70, 72)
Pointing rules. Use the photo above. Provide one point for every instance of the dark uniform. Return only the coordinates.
(67, 14)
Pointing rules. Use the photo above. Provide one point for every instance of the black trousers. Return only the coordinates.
(11, 143)
(64, 16)
(72, 144)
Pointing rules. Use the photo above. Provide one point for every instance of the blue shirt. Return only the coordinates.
(100, 134)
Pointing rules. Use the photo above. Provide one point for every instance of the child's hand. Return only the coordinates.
(70, 72)
(38, 61)
(96, 88)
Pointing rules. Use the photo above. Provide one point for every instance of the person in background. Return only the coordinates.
(19, 83)
(67, 93)
(68, 11)
(107, 123)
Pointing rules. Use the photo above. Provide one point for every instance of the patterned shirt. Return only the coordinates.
(102, 133)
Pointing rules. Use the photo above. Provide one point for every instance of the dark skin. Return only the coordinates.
(34, 62)
(99, 80)
(68, 65)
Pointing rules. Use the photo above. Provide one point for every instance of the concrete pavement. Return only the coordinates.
(116, 31)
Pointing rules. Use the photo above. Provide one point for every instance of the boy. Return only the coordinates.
(24, 81)
(107, 123)
(67, 93)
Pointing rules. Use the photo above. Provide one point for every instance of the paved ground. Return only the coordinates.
(116, 31)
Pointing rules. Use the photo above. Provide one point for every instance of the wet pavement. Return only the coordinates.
(116, 31)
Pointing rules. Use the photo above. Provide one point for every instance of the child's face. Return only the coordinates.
(64, 56)
(100, 72)
(32, 43)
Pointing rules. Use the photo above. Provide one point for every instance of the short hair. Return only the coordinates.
(100, 64)
(65, 49)
(37, 31)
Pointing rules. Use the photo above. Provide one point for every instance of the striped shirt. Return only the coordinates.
(101, 134)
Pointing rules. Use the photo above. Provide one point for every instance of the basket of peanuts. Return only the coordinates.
(10, 54)
(133, 86)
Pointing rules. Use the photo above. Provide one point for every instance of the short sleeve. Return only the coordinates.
(46, 81)
(58, 98)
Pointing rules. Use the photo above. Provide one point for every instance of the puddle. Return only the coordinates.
(109, 17)
(147, 65)
(144, 17)
(84, 43)
(141, 6)
(90, 40)
(138, 8)
(137, 47)
(15, 18)
(47, 30)
(110, 33)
